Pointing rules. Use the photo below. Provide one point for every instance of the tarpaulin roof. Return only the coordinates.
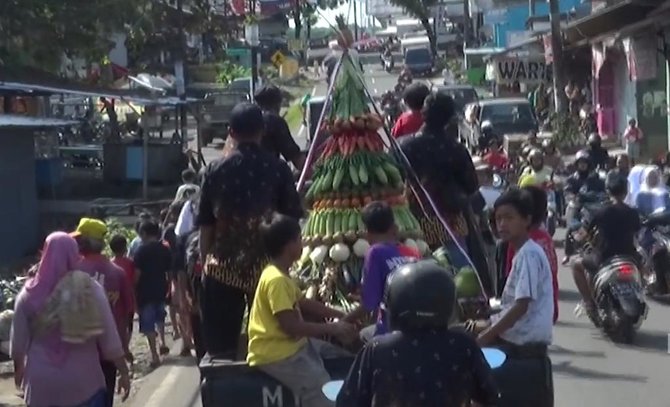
(15, 120)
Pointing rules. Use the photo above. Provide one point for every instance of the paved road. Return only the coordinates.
(589, 370)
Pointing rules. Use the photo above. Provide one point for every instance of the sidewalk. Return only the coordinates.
(176, 383)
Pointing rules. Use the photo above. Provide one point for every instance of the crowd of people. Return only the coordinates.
(226, 244)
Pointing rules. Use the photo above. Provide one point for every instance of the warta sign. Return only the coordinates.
(523, 70)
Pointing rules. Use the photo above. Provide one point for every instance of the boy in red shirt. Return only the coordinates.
(495, 157)
(540, 236)
(119, 247)
(411, 121)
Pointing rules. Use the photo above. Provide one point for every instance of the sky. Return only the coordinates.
(327, 17)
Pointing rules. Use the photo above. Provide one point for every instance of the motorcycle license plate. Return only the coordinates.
(626, 289)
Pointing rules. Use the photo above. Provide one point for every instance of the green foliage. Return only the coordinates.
(114, 227)
(422, 11)
(40, 32)
(566, 131)
(227, 72)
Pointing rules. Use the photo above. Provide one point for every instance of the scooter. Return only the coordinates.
(657, 257)
(620, 299)
(551, 212)
(388, 64)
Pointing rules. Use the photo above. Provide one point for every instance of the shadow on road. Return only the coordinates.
(650, 341)
(572, 324)
(569, 295)
(566, 368)
(559, 350)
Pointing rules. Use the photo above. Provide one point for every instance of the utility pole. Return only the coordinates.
(355, 21)
(531, 8)
(467, 24)
(179, 72)
(560, 99)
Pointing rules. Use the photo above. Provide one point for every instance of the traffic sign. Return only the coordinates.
(278, 59)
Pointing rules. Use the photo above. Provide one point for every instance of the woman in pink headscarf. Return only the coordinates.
(62, 325)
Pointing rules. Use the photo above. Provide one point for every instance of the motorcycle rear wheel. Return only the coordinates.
(621, 330)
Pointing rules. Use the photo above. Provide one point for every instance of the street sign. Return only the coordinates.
(278, 59)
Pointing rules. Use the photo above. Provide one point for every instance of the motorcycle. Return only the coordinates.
(617, 288)
(656, 255)
(619, 299)
(391, 112)
(389, 64)
(551, 211)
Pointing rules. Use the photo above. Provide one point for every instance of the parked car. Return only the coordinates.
(462, 95)
(419, 61)
(506, 115)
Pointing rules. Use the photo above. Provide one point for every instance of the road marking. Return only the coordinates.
(374, 90)
(164, 389)
(372, 80)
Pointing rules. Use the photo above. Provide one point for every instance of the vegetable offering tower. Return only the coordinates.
(352, 170)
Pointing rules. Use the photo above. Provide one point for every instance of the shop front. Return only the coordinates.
(517, 75)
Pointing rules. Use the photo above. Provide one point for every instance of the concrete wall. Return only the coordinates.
(19, 214)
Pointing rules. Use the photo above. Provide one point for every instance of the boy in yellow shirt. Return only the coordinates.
(281, 343)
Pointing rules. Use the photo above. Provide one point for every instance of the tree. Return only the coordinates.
(41, 32)
(421, 10)
(308, 11)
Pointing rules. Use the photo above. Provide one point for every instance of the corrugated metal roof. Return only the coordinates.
(14, 120)
(111, 94)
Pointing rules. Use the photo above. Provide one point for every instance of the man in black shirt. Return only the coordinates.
(277, 137)
(445, 169)
(238, 190)
(422, 362)
(153, 262)
(599, 154)
(617, 225)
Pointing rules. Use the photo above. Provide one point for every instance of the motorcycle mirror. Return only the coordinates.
(494, 357)
(332, 389)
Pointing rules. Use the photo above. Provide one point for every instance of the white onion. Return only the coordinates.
(339, 252)
(361, 247)
(319, 254)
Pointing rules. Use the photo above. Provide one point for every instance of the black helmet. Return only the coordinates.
(535, 154)
(548, 143)
(583, 155)
(419, 296)
(594, 139)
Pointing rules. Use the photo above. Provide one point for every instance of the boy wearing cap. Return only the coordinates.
(90, 235)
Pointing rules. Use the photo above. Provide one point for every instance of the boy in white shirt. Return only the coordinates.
(526, 319)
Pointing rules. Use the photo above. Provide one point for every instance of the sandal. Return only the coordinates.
(163, 350)
(185, 352)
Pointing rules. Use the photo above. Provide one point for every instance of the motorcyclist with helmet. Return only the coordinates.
(552, 157)
(486, 134)
(618, 225)
(536, 171)
(599, 155)
(405, 76)
(583, 182)
(495, 156)
(421, 362)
